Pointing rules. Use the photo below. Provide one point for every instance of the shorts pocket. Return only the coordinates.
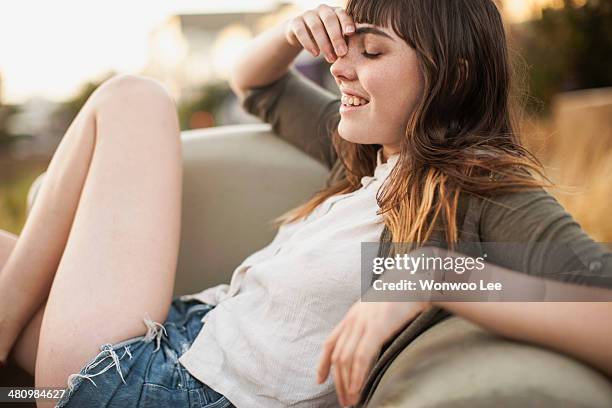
(222, 402)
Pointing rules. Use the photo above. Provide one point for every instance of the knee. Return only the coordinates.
(134, 92)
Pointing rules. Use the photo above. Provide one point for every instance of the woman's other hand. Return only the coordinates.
(353, 346)
(321, 29)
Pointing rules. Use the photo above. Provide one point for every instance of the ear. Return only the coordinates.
(463, 71)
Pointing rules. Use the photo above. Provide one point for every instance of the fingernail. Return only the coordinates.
(350, 29)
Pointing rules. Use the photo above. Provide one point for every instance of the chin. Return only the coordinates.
(355, 134)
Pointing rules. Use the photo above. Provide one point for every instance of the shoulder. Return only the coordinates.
(517, 212)
(529, 215)
(510, 198)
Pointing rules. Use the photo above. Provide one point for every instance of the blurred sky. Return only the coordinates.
(49, 48)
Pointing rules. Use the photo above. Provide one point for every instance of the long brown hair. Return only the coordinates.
(461, 133)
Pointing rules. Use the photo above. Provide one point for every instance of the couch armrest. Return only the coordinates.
(236, 179)
(458, 364)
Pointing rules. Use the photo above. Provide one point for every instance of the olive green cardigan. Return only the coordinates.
(305, 115)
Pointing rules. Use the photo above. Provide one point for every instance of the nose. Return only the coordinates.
(343, 69)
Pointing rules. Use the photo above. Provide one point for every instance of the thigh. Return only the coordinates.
(120, 259)
(24, 349)
(7, 243)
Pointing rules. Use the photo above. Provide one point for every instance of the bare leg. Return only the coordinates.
(24, 350)
(119, 261)
(27, 275)
(28, 272)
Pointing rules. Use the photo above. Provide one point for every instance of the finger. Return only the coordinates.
(334, 30)
(317, 29)
(348, 354)
(328, 349)
(340, 391)
(365, 353)
(340, 372)
(301, 32)
(346, 21)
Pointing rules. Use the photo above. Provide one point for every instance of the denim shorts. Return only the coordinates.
(144, 371)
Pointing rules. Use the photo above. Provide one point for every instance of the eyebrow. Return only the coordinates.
(373, 30)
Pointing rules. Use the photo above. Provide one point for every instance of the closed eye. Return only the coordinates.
(371, 56)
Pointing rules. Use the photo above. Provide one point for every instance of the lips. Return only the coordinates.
(351, 108)
(350, 92)
(351, 100)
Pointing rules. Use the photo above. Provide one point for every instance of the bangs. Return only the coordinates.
(387, 14)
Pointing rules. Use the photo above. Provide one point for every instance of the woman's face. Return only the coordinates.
(390, 81)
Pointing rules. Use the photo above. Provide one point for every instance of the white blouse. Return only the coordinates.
(260, 346)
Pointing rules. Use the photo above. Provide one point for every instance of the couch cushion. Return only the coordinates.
(457, 364)
(236, 179)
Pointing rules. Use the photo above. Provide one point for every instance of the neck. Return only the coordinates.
(389, 150)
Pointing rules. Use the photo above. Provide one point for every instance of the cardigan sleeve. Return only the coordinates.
(300, 112)
(531, 232)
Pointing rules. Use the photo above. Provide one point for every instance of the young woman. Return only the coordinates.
(430, 140)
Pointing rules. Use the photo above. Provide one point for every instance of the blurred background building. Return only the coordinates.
(51, 61)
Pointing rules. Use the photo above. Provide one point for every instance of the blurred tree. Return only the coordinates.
(569, 48)
(6, 111)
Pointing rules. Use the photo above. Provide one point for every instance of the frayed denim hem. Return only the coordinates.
(110, 353)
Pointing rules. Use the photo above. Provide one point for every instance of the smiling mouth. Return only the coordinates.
(350, 100)
(350, 108)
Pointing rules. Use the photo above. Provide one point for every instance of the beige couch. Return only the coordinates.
(237, 178)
